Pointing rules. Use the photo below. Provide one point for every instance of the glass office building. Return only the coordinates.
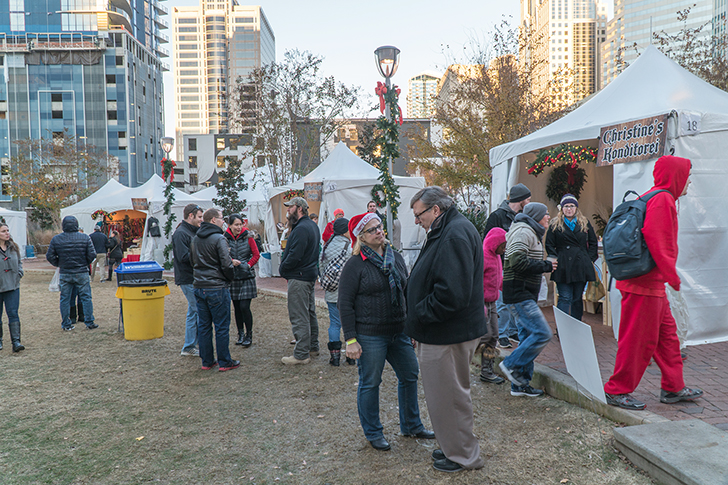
(89, 68)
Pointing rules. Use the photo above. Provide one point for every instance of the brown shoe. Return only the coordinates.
(291, 360)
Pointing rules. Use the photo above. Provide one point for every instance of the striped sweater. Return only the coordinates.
(523, 264)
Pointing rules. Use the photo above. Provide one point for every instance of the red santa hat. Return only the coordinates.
(358, 223)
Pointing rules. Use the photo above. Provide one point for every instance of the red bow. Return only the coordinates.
(381, 90)
(171, 172)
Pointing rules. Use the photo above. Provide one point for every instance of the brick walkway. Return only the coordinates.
(706, 366)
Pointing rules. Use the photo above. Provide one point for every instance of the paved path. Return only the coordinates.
(706, 366)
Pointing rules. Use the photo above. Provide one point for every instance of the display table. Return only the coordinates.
(130, 258)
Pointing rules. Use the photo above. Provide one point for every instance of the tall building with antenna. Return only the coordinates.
(90, 70)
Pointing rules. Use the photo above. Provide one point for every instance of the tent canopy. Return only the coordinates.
(652, 85)
(256, 197)
(17, 222)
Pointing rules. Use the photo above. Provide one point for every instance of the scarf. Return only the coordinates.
(570, 223)
(540, 230)
(386, 266)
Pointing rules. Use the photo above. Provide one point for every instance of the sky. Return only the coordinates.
(431, 35)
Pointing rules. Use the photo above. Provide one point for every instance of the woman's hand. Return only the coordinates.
(353, 351)
(236, 262)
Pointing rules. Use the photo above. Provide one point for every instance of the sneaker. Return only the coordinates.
(504, 343)
(686, 394)
(192, 353)
(233, 365)
(515, 338)
(68, 329)
(208, 367)
(291, 360)
(446, 465)
(91, 326)
(526, 391)
(625, 401)
(513, 375)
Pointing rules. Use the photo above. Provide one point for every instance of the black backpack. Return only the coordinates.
(625, 250)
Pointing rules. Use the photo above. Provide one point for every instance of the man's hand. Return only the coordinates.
(353, 351)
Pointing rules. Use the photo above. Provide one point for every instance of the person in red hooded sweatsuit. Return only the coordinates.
(647, 329)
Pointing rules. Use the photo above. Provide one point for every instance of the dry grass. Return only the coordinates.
(88, 407)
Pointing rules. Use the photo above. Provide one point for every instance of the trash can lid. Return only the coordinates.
(137, 283)
(138, 267)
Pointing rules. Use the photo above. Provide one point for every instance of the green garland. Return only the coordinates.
(291, 193)
(167, 167)
(387, 139)
(564, 153)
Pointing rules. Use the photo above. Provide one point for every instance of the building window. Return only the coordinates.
(192, 144)
(220, 144)
(192, 161)
(220, 162)
(57, 115)
(193, 179)
(56, 97)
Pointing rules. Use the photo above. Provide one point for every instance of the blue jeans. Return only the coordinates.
(506, 324)
(213, 307)
(398, 351)
(82, 285)
(570, 298)
(191, 322)
(533, 332)
(11, 301)
(334, 322)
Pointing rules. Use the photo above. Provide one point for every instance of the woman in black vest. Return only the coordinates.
(245, 254)
(572, 242)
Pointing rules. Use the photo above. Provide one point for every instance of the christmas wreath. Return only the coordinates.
(565, 179)
(102, 214)
(574, 155)
(289, 194)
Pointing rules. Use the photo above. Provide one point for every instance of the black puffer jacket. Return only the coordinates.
(501, 217)
(240, 250)
(575, 250)
(210, 254)
(445, 288)
(71, 251)
(181, 240)
(300, 259)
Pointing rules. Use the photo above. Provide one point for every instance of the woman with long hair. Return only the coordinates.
(337, 245)
(571, 240)
(116, 252)
(11, 270)
(243, 289)
(373, 310)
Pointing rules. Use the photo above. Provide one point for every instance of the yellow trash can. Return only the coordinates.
(142, 309)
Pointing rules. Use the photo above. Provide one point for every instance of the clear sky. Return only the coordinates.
(430, 35)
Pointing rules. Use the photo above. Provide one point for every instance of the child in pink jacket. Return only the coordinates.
(493, 246)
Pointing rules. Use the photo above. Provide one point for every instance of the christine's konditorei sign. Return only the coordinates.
(633, 141)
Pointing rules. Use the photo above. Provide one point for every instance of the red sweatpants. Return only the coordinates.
(646, 330)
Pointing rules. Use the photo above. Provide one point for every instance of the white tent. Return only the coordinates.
(256, 196)
(347, 184)
(651, 86)
(111, 197)
(17, 222)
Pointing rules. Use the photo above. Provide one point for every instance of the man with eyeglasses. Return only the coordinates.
(445, 315)
(299, 265)
(183, 273)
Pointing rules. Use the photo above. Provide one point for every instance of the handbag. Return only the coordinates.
(332, 272)
(595, 289)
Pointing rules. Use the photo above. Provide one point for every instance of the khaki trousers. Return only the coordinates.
(445, 371)
(101, 261)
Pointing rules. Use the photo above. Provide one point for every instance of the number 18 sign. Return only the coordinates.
(689, 124)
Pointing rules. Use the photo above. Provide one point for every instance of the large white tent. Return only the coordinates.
(256, 197)
(347, 184)
(651, 86)
(17, 222)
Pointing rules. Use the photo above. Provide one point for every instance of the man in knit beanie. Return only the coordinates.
(524, 265)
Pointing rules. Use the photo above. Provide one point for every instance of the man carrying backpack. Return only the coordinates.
(647, 329)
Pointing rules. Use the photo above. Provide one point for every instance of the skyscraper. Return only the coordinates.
(565, 36)
(635, 21)
(215, 44)
(89, 69)
(421, 95)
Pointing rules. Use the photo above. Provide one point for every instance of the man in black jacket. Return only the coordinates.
(502, 217)
(183, 276)
(72, 252)
(299, 265)
(445, 314)
(213, 272)
(100, 244)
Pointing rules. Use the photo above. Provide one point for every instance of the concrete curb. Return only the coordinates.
(320, 302)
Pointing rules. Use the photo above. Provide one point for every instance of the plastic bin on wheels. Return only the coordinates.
(142, 291)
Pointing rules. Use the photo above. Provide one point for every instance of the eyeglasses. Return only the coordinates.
(374, 229)
(417, 216)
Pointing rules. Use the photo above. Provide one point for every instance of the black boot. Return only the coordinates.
(81, 318)
(248, 339)
(241, 336)
(335, 352)
(487, 374)
(15, 336)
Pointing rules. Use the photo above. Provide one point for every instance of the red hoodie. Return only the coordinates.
(492, 264)
(660, 229)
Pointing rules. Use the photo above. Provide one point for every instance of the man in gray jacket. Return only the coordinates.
(213, 271)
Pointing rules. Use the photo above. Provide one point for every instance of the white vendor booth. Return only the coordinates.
(697, 129)
(17, 222)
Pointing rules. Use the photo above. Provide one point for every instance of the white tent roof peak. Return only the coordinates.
(653, 84)
(342, 163)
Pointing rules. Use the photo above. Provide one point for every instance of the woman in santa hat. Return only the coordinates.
(372, 310)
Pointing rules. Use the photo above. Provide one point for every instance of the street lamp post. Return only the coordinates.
(167, 143)
(387, 57)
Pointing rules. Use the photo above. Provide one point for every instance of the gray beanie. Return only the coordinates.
(535, 210)
(518, 193)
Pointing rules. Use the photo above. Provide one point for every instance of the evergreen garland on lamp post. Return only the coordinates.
(387, 140)
(168, 176)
